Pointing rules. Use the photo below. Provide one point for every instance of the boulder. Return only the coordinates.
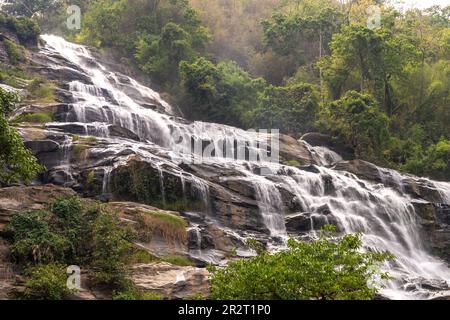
(291, 149)
(42, 146)
(18, 199)
(174, 282)
(316, 139)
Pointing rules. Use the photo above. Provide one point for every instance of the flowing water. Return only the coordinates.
(384, 216)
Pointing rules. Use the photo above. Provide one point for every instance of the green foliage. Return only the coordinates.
(70, 233)
(16, 162)
(219, 93)
(26, 29)
(130, 292)
(434, 163)
(356, 119)
(142, 256)
(323, 269)
(14, 52)
(35, 117)
(41, 91)
(34, 240)
(178, 260)
(292, 109)
(109, 249)
(28, 7)
(158, 41)
(47, 282)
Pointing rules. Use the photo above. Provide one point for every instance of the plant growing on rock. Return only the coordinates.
(321, 270)
(47, 282)
(16, 162)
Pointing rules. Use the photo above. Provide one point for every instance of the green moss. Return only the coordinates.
(291, 163)
(131, 292)
(79, 150)
(41, 91)
(142, 256)
(35, 117)
(168, 225)
(176, 221)
(178, 260)
(90, 177)
(14, 51)
(89, 139)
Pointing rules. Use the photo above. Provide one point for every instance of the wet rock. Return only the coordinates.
(306, 221)
(425, 210)
(300, 222)
(417, 187)
(42, 146)
(291, 149)
(171, 281)
(117, 131)
(316, 139)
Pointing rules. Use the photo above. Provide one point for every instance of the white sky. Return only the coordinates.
(422, 3)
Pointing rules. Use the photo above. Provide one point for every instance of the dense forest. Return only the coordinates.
(299, 66)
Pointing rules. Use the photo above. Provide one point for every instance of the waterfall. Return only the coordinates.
(384, 216)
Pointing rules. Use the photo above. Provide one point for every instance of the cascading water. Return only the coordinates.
(384, 216)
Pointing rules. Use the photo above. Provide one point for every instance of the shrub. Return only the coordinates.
(36, 117)
(321, 269)
(41, 91)
(14, 52)
(34, 241)
(171, 227)
(109, 250)
(47, 282)
(178, 260)
(142, 256)
(130, 292)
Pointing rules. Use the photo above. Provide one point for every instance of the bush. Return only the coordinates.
(109, 250)
(14, 52)
(321, 269)
(16, 162)
(130, 292)
(171, 227)
(37, 117)
(34, 241)
(47, 282)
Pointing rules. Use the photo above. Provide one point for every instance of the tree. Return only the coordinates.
(16, 162)
(323, 269)
(367, 60)
(357, 120)
(222, 93)
(28, 8)
(292, 109)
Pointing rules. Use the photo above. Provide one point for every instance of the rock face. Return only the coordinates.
(19, 199)
(416, 187)
(171, 281)
(316, 139)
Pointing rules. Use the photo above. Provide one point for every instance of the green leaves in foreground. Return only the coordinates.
(16, 162)
(321, 269)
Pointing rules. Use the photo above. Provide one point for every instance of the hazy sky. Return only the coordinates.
(424, 3)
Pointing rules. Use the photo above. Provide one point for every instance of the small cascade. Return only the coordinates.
(161, 182)
(270, 206)
(325, 156)
(444, 190)
(106, 180)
